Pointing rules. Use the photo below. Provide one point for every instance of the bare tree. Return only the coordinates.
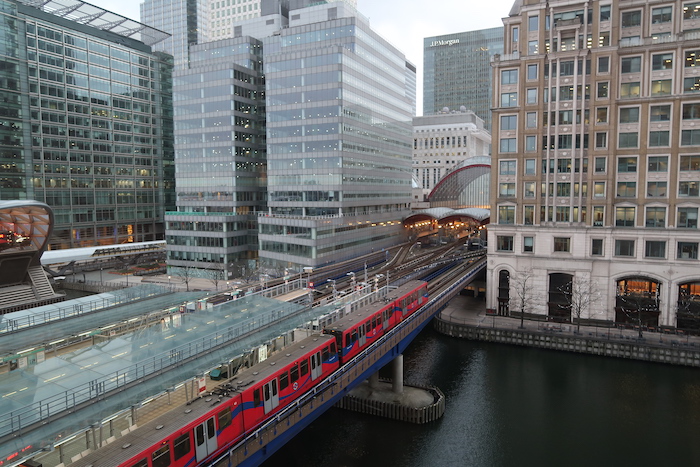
(523, 296)
(215, 276)
(580, 294)
(186, 274)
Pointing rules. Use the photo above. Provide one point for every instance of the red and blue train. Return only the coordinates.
(201, 431)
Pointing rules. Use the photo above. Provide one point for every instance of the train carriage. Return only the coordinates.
(360, 329)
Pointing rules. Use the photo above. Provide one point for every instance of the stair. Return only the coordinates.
(41, 283)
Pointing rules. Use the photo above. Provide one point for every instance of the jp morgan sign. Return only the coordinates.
(447, 42)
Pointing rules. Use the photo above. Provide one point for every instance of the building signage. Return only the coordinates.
(444, 42)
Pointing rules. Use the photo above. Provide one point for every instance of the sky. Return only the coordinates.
(404, 23)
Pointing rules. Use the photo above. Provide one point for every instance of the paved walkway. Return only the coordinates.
(471, 312)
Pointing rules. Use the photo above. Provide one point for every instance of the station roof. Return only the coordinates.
(28, 217)
(445, 214)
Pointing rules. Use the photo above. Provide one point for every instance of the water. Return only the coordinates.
(516, 406)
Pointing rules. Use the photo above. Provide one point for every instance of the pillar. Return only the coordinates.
(397, 371)
(374, 381)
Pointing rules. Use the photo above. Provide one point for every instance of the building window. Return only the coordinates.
(631, 19)
(628, 140)
(563, 189)
(597, 247)
(599, 189)
(533, 47)
(690, 138)
(624, 247)
(532, 71)
(516, 35)
(605, 13)
(562, 244)
(528, 244)
(509, 122)
(691, 10)
(624, 216)
(531, 120)
(533, 23)
(603, 64)
(531, 143)
(691, 111)
(529, 215)
(688, 189)
(529, 190)
(530, 165)
(509, 76)
(627, 164)
(687, 218)
(509, 99)
(563, 166)
(626, 189)
(631, 65)
(531, 96)
(604, 39)
(661, 87)
(601, 115)
(601, 140)
(687, 250)
(563, 214)
(662, 62)
(629, 115)
(507, 145)
(602, 90)
(691, 84)
(506, 215)
(600, 164)
(504, 243)
(598, 216)
(506, 190)
(629, 90)
(656, 189)
(656, 217)
(660, 113)
(690, 163)
(661, 15)
(657, 164)
(507, 167)
(658, 139)
(655, 249)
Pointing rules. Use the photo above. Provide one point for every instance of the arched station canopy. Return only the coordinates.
(465, 186)
(28, 222)
(446, 215)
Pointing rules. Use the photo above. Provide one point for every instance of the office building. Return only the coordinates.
(443, 141)
(86, 121)
(595, 184)
(457, 71)
(325, 158)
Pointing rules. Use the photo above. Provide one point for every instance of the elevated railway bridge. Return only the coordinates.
(447, 270)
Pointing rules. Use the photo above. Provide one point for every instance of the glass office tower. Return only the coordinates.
(85, 121)
(457, 71)
(339, 139)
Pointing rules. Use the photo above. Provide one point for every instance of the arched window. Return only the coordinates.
(637, 301)
(558, 301)
(688, 310)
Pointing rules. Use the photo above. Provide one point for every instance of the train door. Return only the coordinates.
(271, 397)
(385, 320)
(205, 439)
(361, 334)
(316, 366)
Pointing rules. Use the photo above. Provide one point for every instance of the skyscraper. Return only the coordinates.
(595, 184)
(86, 121)
(457, 71)
(325, 158)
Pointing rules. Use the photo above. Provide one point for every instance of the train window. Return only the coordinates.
(294, 373)
(161, 457)
(325, 354)
(141, 463)
(256, 397)
(284, 380)
(224, 418)
(354, 336)
(274, 387)
(348, 340)
(266, 390)
(304, 367)
(181, 446)
(333, 349)
(368, 328)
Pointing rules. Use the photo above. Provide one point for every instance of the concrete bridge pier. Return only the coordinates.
(374, 381)
(397, 373)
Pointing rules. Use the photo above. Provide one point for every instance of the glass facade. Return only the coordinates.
(86, 127)
(457, 71)
(338, 136)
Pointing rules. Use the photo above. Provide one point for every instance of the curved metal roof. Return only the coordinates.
(465, 186)
(439, 214)
(29, 218)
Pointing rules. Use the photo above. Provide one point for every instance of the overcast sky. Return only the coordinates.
(404, 23)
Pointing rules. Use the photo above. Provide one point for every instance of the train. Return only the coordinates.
(202, 431)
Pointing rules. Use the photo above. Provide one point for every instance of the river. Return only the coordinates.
(517, 406)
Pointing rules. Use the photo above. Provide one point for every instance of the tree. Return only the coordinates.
(523, 297)
(186, 274)
(580, 294)
(216, 276)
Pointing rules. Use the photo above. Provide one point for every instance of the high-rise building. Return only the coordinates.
(596, 167)
(443, 141)
(334, 125)
(86, 123)
(457, 71)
